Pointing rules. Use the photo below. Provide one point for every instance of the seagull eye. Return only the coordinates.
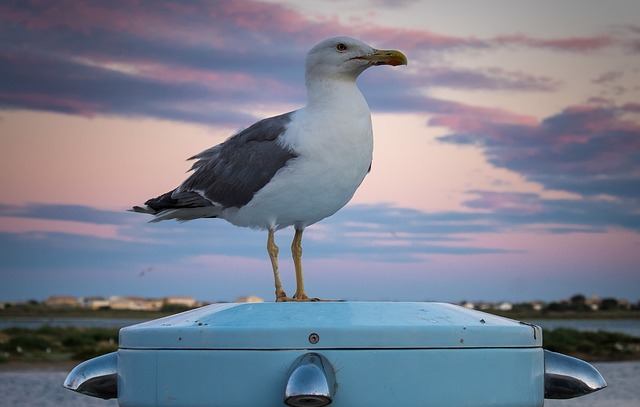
(341, 47)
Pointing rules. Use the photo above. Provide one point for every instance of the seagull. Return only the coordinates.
(294, 169)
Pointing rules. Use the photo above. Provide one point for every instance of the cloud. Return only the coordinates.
(76, 213)
(75, 254)
(607, 77)
(631, 33)
(411, 234)
(587, 150)
(211, 62)
(366, 240)
(485, 79)
(407, 235)
(574, 44)
(98, 58)
(508, 203)
(531, 211)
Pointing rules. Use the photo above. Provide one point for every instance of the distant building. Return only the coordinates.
(485, 306)
(503, 306)
(623, 303)
(468, 304)
(593, 302)
(134, 303)
(95, 303)
(189, 302)
(537, 305)
(61, 301)
(248, 298)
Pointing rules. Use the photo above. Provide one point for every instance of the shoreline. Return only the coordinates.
(42, 312)
(61, 348)
(40, 366)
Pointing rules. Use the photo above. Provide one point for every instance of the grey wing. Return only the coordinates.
(230, 173)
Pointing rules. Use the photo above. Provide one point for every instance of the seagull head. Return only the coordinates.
(346, 58)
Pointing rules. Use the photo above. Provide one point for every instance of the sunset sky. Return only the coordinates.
(506, 162)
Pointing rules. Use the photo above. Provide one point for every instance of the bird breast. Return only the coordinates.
(334, 149)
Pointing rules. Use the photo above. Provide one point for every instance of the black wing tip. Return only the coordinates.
(147, 210)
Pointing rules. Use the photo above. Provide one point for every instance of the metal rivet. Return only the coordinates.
(314, 338)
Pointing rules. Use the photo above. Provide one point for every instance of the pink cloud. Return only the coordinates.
(634, 42)
(506, 202)
(418, 40)
(192, 23)
(467, 118)
(156, 50)
(492, 78)
(585, 149)
(208, 78)
(231, 23)
(581, 44)
(593, 119)
(35, 100)
(39, 227)
(631, 107)
(610, 76)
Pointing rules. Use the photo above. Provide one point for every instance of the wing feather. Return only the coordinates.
(230, 173)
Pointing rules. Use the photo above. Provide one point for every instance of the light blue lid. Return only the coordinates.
(331, 325)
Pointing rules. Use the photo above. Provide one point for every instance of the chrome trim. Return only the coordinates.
(97, 377)
(311, 382)
(566, 377)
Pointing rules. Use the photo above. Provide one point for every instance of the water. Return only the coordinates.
(622, 391)
(34, 323)
(44, 389)
(626, 326)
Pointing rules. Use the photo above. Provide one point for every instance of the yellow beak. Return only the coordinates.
(386, 57)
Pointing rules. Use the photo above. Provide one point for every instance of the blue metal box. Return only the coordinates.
(346, 354)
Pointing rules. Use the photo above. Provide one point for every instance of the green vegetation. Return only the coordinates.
(38, 310)
(56, 344)
(63, 344)
(522, 314)
(592, 346)
(581, 304)
(576, 307)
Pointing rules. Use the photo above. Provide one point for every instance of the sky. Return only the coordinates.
(506, 163)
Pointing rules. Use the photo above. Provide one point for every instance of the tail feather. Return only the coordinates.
(182, 206)
(183, 215)
(147, 210)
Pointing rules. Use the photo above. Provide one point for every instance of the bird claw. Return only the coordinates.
(293, 299)
(296, 298)
(281, 295)
(303, 299)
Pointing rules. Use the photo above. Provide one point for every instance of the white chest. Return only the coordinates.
(334, 148)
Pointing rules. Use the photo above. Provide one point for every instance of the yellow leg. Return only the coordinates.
(273, 250)
(296, 252)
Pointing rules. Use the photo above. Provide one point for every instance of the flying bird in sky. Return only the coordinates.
(294, 169)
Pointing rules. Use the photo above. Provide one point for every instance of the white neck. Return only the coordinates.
(341, 94)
